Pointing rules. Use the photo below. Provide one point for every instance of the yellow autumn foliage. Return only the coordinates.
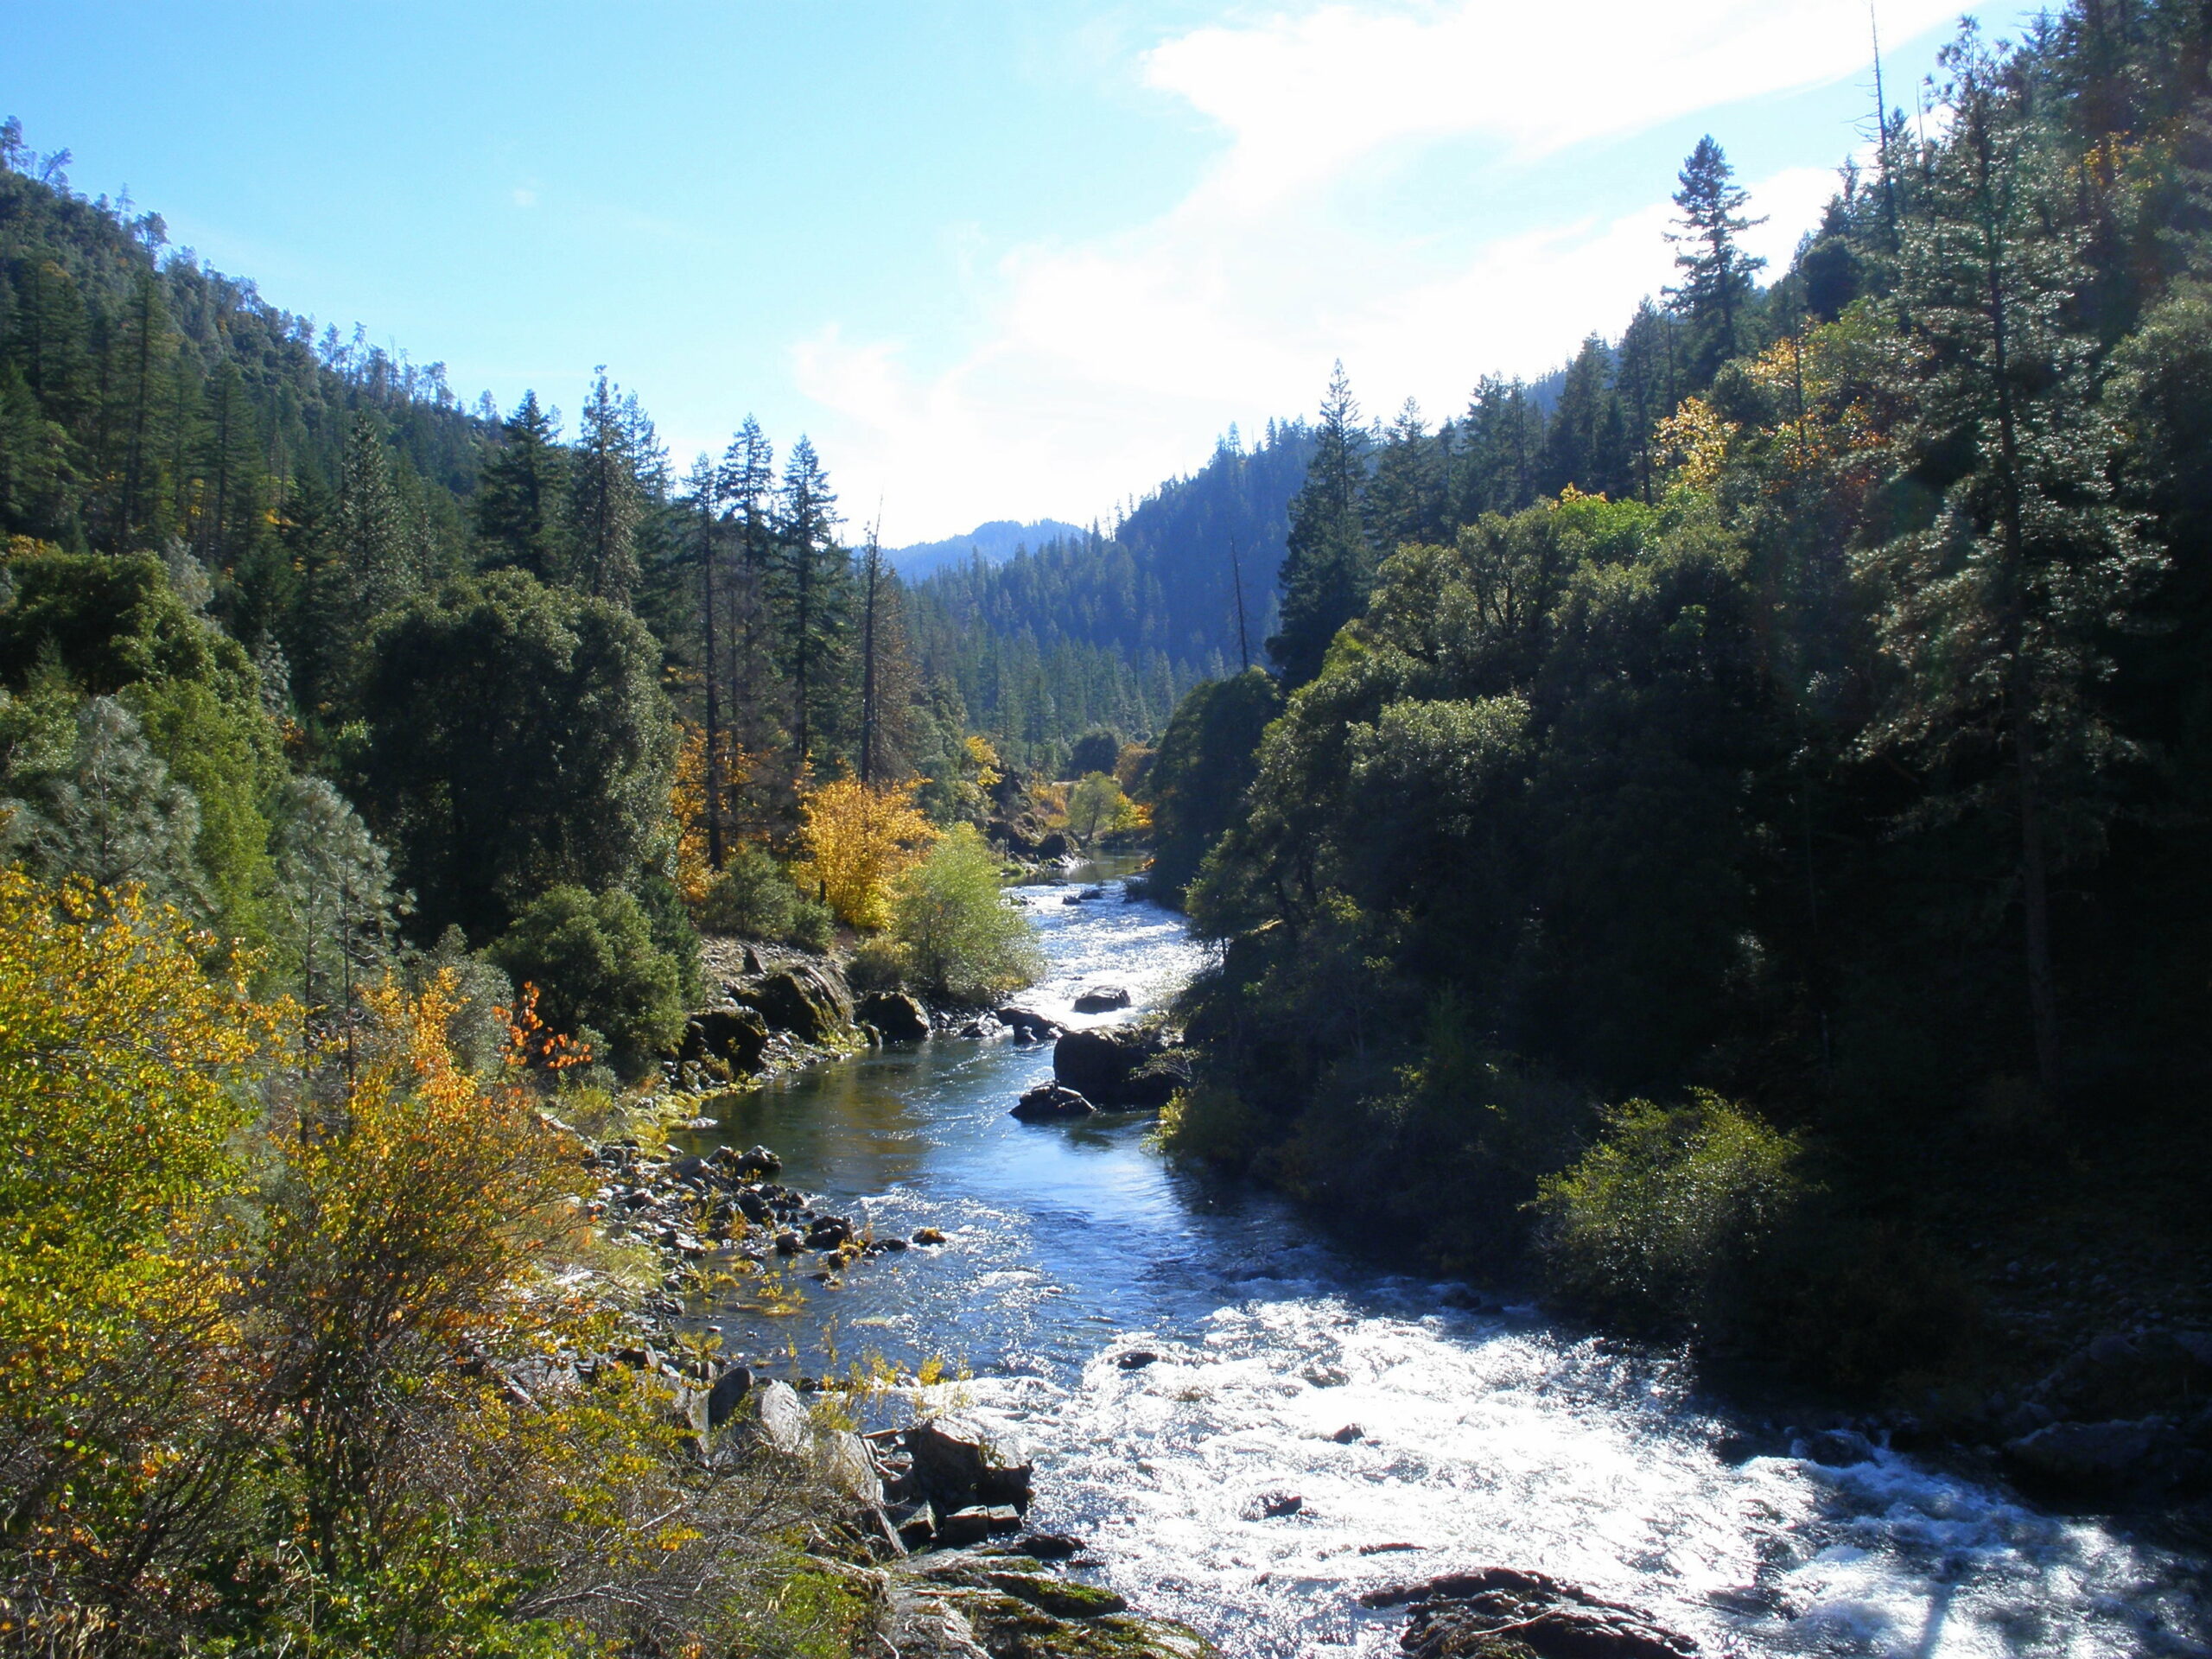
(859, 839)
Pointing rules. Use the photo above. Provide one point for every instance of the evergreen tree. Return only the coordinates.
(1404, 500)
(1715, 292)
(113, 815)
(519, 493)
(1328, 567)
(604, 499)
(812, 577)
(2000, 610)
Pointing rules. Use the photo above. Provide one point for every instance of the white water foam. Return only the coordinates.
(1489, 1441)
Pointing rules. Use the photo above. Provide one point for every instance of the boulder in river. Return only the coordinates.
(1051, 1102)
(2102, 1461)
(1464, 1614)
(1125, 1066)
(898, 1016)
(1027, 1024)
(1103, 998)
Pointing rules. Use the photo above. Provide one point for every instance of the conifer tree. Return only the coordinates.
(519, 493)
(812, 584)
(1715, 291)
(373, 561)
(1328, 567)
(1998, 613)
(604, 499)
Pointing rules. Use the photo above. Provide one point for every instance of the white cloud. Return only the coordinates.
(1110, 365)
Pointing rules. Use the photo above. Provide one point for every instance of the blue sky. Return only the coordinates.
(999, 260)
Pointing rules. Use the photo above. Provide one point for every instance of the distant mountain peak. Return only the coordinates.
(994, 542)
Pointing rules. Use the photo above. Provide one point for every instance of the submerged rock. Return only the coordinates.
(1461, 1615)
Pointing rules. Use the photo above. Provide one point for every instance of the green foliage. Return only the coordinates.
(594, 962)
(960, 939)
(753, 898)
(1096, 750)
(1097, 807)
(813, 926)
(1671, 1205)
(517, 739)
(1207, 757)
(876, 964)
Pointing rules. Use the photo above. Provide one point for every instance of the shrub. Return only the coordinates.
(1098, 807)
(961, 938)
(1096, 750)
(1660, 1218)
(752, 898)
(876, 965)
(594, 961)
(813, 926)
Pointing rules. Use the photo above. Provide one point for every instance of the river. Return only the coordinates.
(1419, 1437)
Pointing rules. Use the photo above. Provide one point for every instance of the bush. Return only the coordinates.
(594, 961)
(1098, 807)
(1660, 1220)
(1096, 750)
(752, 898)
(814, 925)
(876, 965)
(961, 940)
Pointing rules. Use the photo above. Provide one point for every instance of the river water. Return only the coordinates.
(1419, 1437)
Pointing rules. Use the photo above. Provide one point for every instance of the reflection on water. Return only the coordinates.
(1285, 1367)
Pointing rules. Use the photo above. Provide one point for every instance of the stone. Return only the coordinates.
(958, 1474)
(1136, 1359)
(1053, 846)
(898, 1016)
(734, 1036)
(1050, 1102)
(2098, 1461)
(780, 1420)
(751, 1163)
(1058, 1596)
(1050, 1545)
(801, 1001)
(1125, 1066)
(1102, 999)
(728, 1394)
(1837, 1448)
(928, 1236)
(1275, 1506)
(969, 1525)
(1461, 1615)
(1349, 1434)
(1027, 1024)
(827, 1232)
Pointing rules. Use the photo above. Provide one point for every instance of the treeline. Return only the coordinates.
(1109, 632)
(1805, 729)
(294, 642)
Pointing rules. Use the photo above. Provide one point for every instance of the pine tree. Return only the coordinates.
(604, 499)
(114, 815)
(1715, 291)
(701, 503)
(519, 493)
(812, 580)
(1998, 614)
(376, 567)
(1404, 500)
(1328, 567)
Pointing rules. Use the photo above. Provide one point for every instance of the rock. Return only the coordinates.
(2099, 1460)
(1053, 846)
(1462, 1615)
(803, 1000)
(918, 1528)
(1050, 1545)
(1349, 1434)
(1049, 1102)
(956, 1474)
(787, 1243)
(1102, 999)
(1836, 1448)
(780, 1420)
(1136, 1359)
(898, 1016)
(969, 1525)
(728, 1394)
(1275, 1505)
(749, 1164)
(846, 1465)
(827, 1232)
(734, 1036)
(1058, 1596)
(928, 1236)
(1125, 1066)
(1027, 1026)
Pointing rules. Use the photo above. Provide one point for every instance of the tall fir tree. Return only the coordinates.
(1328, 567)
(1715, 292)
(604, 501)
(521, 493)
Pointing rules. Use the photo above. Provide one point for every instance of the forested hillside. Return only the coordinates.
(1109, 631)
(1805, 729)
(1000, 539)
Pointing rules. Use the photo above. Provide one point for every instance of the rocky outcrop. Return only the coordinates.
(897, 1017)
(1007, 1603)
(1052, 1102)
(1125, 1066)
(1488, 1612)
(1027, 1024)
(808, 1001)
(735, 1036)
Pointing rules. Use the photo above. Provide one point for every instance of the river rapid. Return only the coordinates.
(1419, 1438)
